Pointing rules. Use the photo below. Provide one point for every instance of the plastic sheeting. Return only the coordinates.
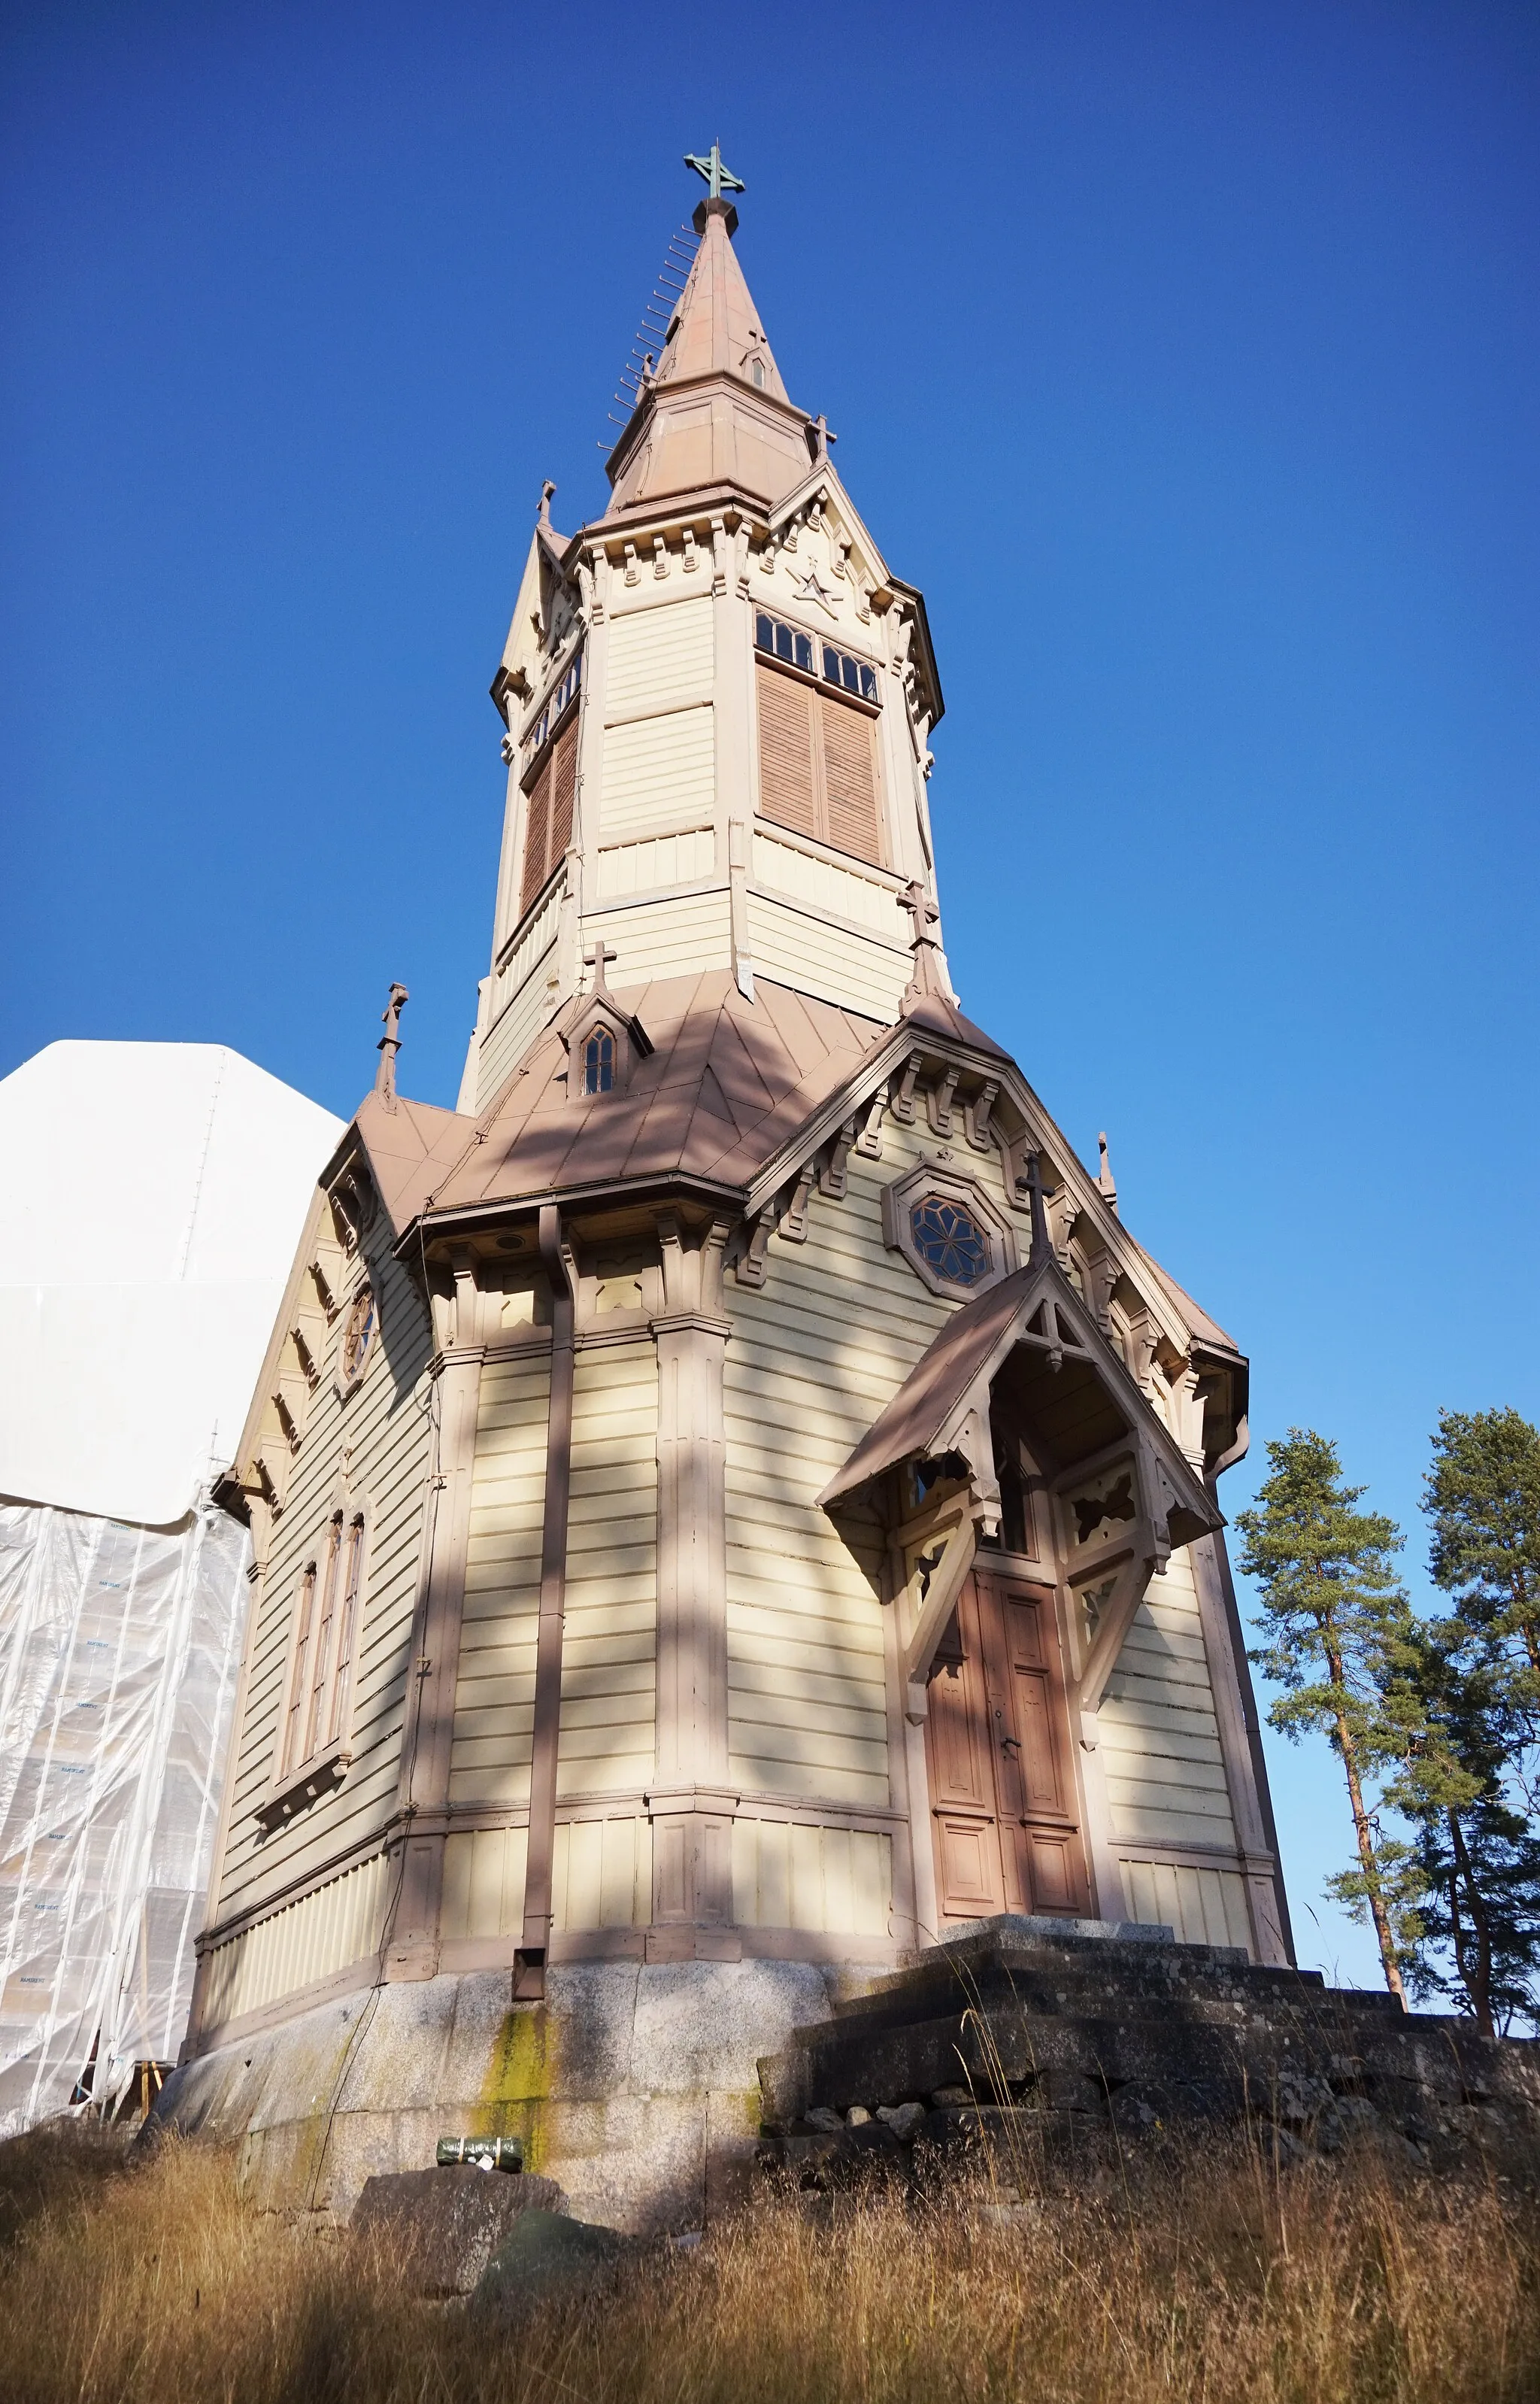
(119, 1656)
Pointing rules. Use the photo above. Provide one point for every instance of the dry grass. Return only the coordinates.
(1216, 2278)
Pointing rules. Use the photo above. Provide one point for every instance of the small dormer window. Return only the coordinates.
(599, 1062)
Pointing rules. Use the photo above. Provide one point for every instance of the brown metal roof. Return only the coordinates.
(913, 1422)
(727, 1083)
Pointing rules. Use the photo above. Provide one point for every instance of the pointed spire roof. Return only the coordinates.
(715, 412)
(716, 328)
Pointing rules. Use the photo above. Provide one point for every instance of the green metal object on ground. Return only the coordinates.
(481, 2153)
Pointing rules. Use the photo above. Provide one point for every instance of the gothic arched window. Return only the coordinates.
(599, 1062)
(358, 1334)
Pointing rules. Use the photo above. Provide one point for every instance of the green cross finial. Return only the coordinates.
(719, 179)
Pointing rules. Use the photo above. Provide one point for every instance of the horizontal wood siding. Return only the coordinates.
(660, 859)
(609, 1644)
(823, 887)
(389, 1435)
(1160, 1737)
(657, 657)
(834, 1881)
(659, 773)
(815, 1354)
(851, 971)
(1203, 1905)
(494, 1697)
(661, 939)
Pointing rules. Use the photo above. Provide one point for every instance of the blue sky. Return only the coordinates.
(1187, 355)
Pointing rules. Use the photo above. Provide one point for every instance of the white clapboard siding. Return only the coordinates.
(680, 937)
(390, 1437)
(300, 1944)
(1203, 1905)
(1159, 1734)
(657, 657)
(830, 890)
(494, 1693)
(661, 859)
(854, 971)
(836, 1882)
(511, 1033)
(609, 1644)
(658, 772)
(815, 1355)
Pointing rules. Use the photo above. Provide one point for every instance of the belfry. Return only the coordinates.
(731, 1501)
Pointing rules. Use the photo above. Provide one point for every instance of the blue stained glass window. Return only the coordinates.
(949, 1240)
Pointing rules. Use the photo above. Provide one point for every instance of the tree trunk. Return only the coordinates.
(1478, 1988)
(1347, 1746)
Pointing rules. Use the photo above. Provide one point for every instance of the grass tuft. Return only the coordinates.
(1211, 2273)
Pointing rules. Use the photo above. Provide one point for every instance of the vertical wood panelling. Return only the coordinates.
(833, 1880)
(304, 1942)
(484, 1883)
(608, 1677)
(1202, 1906)
(602, 1876)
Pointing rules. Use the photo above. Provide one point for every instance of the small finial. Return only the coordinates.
(1104, 1175)
(1040, 1246)
(821, 428)
(927, 975)
(548, 494)
(390, 1044)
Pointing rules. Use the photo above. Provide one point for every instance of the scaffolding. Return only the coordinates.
(119, 1650)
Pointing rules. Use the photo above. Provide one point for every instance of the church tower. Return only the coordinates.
(731, 1502)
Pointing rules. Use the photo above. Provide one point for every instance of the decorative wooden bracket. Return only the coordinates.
(944, 1586)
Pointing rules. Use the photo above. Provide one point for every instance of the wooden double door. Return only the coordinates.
(997, 1747)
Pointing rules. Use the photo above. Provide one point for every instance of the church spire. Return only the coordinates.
(678, 440)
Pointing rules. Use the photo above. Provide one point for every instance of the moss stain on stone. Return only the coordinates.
(518, 2081)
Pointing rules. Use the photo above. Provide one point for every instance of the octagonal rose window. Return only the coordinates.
(950, 1239)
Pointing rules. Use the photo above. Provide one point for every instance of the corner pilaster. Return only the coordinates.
(690, 1805)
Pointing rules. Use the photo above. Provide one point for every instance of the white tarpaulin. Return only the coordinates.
(118, 1655)
(151, 1198)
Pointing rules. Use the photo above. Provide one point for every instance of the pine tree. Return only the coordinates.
(1474, 1873)
(1482, 1499)
(1332, 1611)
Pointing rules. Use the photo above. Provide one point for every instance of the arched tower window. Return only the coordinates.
(599, 1062)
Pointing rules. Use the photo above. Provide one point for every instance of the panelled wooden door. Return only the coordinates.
(997, 1748)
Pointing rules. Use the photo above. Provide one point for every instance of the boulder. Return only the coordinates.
(441, 2227)
(545, 2258)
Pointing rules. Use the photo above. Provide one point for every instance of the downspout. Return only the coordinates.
(529, 1976)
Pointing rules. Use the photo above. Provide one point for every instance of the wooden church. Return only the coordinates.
(731, 1502)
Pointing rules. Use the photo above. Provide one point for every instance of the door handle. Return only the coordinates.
(1010, 1744)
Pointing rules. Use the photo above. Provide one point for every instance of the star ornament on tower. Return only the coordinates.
(813, 587)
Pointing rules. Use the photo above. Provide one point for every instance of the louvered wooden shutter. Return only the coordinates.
(536, 838)
(850, 781)
(785, 752)
(563, 786)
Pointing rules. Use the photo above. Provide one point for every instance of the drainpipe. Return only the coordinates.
(529, 1976)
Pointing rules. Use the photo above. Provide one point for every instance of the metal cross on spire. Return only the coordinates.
(719, 179)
